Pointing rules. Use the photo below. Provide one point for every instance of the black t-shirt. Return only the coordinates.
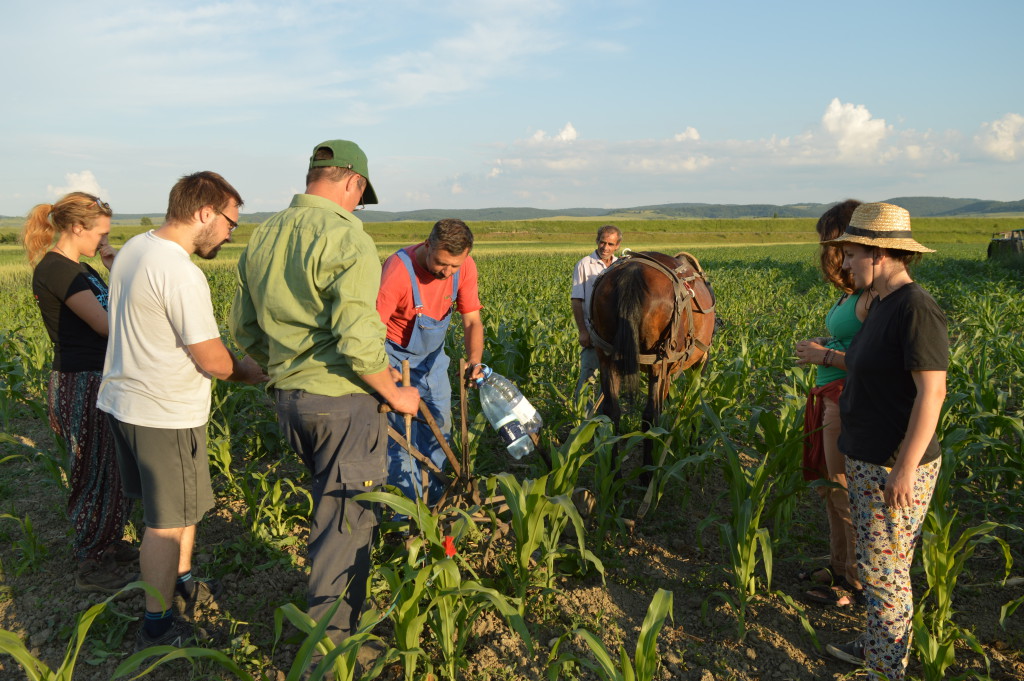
(904, 332)
(76, 347)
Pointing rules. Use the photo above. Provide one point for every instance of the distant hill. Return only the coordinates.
(919, 206)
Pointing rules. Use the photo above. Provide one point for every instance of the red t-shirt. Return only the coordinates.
(395, 303)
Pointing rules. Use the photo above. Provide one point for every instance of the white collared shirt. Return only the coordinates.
(583, 277)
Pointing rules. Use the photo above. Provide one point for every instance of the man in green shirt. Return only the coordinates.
(306, 310)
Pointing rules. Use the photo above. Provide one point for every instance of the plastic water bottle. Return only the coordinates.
(508, 412)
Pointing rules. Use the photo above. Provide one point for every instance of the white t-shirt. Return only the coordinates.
(159, 303)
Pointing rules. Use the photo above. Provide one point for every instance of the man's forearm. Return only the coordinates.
(577, 314)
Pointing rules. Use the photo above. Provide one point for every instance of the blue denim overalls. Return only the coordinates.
(428, 371)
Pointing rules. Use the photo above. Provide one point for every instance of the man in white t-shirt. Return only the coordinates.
(163, 348)
(608, 240)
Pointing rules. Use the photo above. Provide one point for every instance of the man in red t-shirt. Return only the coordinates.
(420, 286)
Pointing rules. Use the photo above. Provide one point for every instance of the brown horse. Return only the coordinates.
(651, 310)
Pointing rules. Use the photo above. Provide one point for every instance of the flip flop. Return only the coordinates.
(829, 596)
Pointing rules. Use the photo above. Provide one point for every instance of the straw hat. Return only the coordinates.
(880, 224)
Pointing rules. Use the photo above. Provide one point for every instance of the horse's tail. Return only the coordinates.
(632, 291)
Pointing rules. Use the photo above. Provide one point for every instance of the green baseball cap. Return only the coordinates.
(346, 155)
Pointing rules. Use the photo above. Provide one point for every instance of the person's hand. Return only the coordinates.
(810, 351)
(474, 373)
(405, 400)
(585, 338)
(250, 372)
(105, 250)
(899, 488)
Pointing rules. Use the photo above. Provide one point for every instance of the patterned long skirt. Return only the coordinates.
(886, 538)
(97, 506)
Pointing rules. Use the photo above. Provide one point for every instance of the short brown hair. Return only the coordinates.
(452, 235)
(831, 225)
(332, 173)
(609, 229)
(192, 192)
(46, 220)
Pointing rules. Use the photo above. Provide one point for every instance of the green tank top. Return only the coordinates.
(842, 324)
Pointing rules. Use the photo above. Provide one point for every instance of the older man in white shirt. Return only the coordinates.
(609, 237)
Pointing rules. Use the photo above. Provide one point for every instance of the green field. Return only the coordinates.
(539, 598)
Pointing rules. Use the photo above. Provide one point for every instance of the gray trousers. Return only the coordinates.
(589, 366)
(343, 442)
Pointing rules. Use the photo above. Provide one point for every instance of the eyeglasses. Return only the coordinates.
(234, 225)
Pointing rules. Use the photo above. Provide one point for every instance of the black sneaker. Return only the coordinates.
(204, 597)
(180, 635)
(852, 652)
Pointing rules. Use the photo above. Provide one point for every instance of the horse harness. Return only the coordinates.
(665, 352)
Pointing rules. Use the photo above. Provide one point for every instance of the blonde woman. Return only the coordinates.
(72, 299)
(889, 409)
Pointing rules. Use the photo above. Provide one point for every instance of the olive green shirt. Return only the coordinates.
(305, 307)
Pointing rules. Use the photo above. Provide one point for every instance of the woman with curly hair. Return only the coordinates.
(835, 584)
(72, 299)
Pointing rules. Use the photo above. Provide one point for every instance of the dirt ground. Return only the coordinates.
(665, 551)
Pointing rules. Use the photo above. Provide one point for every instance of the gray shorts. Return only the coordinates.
(168, 469)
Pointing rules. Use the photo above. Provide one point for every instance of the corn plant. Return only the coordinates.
(645, 660)
(273, 509)
(742, 533)
(429, 590)
(944, 558)
(538, 521)
(31, 551)
(454, 606)
(568, 459)
(37, 670)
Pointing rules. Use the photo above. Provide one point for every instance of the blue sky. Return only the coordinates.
(543, 103)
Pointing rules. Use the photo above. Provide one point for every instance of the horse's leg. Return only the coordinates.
(656, 382)
(611, 384)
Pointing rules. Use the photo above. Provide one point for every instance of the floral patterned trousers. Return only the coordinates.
(885, 539)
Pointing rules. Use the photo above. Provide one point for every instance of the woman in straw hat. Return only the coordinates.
(72, 299)
(836, 584)
(889, 409)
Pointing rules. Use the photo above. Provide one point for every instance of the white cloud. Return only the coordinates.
(688, 135)
(84, 181)
(566, 134)
(668, 165)
(457, 188)
(856, 133)
(1003, 139)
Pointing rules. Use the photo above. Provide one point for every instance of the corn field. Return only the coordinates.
(554, 568)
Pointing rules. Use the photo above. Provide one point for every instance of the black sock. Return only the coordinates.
(156, 623)
(185, 586)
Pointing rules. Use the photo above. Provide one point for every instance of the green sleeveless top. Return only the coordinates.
(842, 324)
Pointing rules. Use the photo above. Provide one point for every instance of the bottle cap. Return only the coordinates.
(487, 371)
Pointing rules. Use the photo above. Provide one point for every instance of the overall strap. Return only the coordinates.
(417, 301)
